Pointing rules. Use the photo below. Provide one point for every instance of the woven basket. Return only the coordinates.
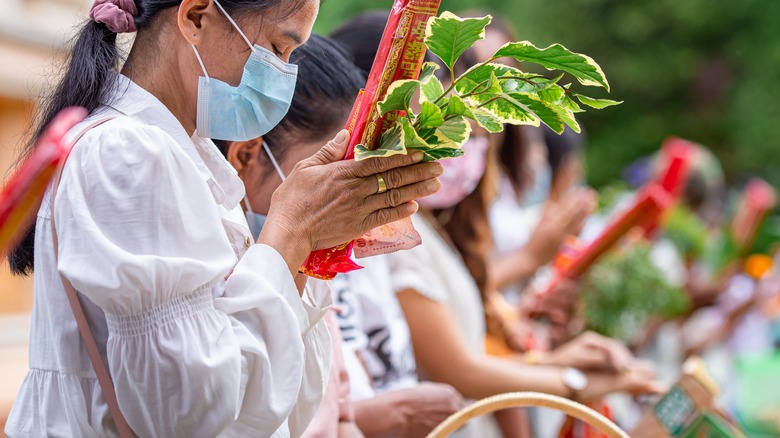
(526, 399)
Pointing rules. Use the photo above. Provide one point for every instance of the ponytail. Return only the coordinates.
(87, 81)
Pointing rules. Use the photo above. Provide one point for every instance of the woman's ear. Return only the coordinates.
(244, 154)
(191, 17)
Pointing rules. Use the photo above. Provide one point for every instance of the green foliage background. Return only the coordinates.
(705, 70)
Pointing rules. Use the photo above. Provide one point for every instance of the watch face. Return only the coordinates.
(575, 379)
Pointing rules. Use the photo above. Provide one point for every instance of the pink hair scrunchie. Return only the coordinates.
(117, 15)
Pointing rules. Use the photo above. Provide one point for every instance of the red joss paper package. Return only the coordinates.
(400, 56)
(22, 193)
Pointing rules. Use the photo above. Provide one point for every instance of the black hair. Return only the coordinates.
(560, 147)
(328, 83)
(361, 37)
(87, 81)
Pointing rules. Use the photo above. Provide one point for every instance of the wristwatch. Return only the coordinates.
(575, 380)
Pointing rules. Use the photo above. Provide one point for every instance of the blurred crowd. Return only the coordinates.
(469, 314)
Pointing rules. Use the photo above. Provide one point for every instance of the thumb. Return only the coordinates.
(333, 151)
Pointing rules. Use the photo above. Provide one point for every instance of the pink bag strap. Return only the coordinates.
(104, 378)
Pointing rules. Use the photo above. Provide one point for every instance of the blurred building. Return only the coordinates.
(33, 34)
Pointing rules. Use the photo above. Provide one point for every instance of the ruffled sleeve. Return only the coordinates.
(190, 353)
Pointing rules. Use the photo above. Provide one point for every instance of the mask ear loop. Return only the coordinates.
(273, 161)
(230, 19)
(200, 61)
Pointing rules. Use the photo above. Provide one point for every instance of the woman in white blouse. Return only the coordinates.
(203, 331)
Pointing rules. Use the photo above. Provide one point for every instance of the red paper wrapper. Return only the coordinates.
(400, 56)
(647, 210)
(21, 196)
(757, 200)
(676, 156)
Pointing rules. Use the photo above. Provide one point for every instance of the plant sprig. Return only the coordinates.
(490, 94)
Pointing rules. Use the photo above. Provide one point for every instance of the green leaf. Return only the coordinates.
(448, 35)
(480, 79)
(557, 57)
(399, 96)
(597, 103)
(543, 110)
(431, 89)
(457, 107)
(430, 116)
(488, 120)
(509, 110)
(562, 105)
(412, 139)
(391, 143)
(439, 153)
(453, 133)
(428, 69)
(540, 84)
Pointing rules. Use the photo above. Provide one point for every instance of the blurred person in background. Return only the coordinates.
(204, 332)
(388, 399)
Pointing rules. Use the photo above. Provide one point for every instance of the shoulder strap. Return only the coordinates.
(104, 378)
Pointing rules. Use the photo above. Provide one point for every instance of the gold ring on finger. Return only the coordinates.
(382, 184)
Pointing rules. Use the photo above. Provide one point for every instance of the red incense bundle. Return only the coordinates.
(647, 210)
(21, 196)
(757, 200)
(676, 156)
(400, 56)
(650, 202)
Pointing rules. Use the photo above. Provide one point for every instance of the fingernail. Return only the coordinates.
(436, 170)
(433, 185)
(417, 156)
(342, 136)
(412, 207)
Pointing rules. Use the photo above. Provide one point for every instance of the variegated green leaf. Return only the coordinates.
(452, 133)
(557, 57)
(412, 139)
(543, 110)
(439, 153)
(391, 143)
(457, 107)
(597, 103)
(431, 89)
(448, 35)
(562, 104)
(428, 69)
(509, 110)
(488, 120)
(480, 79)
(430, 116)
(399, 96)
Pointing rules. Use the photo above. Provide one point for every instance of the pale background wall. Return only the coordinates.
(33, 34)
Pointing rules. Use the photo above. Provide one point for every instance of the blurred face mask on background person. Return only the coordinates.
(252, 108)
(255, 220)
(461, 175)
(540, 190)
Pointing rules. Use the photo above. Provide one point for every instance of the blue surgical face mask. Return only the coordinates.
(540, 190)
(257, 220)
(252, 108)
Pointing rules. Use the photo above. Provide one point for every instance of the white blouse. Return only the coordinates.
(204, 333)
(436, 271)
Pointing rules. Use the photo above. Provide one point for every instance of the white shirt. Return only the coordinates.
(512, 224)
(372, 323)
(436, 271)
(149, 227)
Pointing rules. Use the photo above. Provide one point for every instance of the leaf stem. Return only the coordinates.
(455, 81)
